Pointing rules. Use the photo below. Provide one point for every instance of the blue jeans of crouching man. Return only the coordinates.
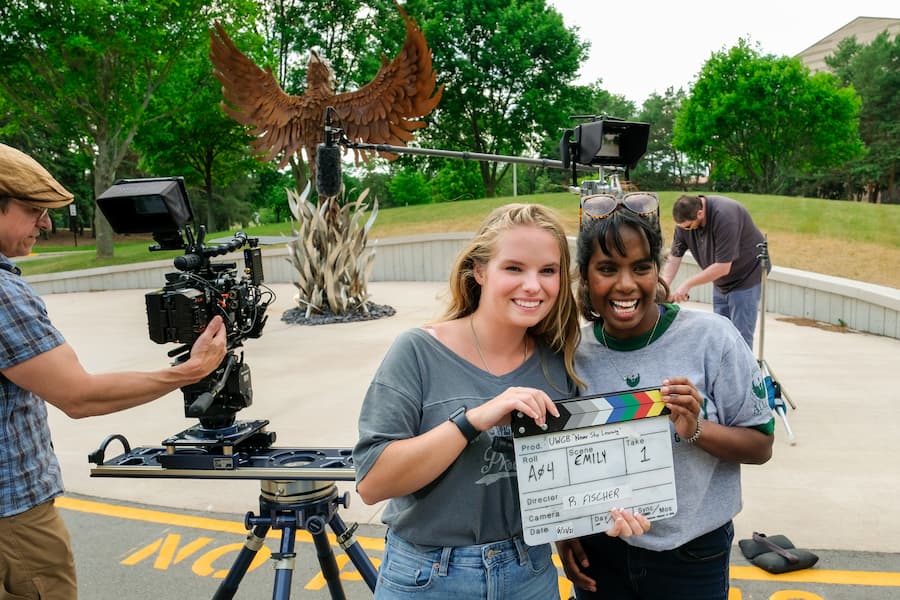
(741, 307)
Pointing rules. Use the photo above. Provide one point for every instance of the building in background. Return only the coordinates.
(865, 29)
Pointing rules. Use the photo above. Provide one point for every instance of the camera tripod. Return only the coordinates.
(297, 491)
(292, 505)
(776, 392)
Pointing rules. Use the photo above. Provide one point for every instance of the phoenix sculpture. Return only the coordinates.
(387, 110)
(329, 250)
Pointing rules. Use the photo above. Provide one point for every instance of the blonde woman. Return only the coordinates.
(444, 394)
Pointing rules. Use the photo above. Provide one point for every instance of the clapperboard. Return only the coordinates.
(603, 452)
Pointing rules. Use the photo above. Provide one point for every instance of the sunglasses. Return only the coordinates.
(600, 206)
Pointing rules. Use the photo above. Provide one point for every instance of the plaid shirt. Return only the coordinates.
(29, 470)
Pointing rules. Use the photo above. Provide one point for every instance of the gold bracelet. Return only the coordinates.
(696, 435)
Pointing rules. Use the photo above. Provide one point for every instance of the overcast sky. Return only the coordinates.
(645, 46)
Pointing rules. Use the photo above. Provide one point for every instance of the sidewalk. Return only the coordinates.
(835, 489)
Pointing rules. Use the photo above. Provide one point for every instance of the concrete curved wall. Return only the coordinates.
(861, 306)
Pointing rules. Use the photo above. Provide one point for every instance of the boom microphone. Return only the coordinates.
(328, 159)
(328, 170)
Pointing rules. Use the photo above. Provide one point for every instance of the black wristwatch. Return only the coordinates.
(465, 426)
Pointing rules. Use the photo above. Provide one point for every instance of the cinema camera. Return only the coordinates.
(297, 485)
(199, 290)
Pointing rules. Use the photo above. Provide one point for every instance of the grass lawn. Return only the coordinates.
(843, 239)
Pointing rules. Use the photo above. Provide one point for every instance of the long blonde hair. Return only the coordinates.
(559, 330)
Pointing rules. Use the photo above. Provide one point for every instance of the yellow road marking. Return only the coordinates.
(165, 518)
(835, 577)
(873, 578)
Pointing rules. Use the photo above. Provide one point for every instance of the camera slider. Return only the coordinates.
(297, 491)
(241, 451)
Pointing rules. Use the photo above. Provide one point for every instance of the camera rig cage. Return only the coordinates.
(197, 291)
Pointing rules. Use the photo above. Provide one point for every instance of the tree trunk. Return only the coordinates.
(208, 183)
(104, 174)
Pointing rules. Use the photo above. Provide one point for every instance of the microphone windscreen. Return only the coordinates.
(328, 170)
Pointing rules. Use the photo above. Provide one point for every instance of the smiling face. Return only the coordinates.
(622, 287)
(521, 281)
(20, 226)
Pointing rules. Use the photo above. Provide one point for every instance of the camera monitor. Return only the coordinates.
(605, 141)
(146, 205)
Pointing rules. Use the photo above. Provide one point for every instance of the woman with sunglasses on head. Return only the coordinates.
(709, 380)
(434, 426)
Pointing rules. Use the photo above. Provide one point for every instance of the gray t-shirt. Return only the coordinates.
(729, 235)
(707, 349)
(418, 386)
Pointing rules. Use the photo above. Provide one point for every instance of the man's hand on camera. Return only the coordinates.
(209, 349)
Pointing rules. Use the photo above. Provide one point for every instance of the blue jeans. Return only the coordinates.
(698, 570)
(742, 307)
(496, 571)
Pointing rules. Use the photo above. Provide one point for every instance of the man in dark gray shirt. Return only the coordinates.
(723, 239)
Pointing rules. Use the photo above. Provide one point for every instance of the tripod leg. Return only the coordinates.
(327, 562)
(354, 551)
(284, 563)
(255, 539)
(779, 410)
(768, 369)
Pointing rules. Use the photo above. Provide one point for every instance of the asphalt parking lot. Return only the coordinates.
(126, 550)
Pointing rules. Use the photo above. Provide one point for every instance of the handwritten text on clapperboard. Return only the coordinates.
(570, 480)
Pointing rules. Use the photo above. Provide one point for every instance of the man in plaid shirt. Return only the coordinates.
(38, 366)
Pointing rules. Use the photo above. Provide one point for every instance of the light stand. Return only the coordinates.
(776, 392)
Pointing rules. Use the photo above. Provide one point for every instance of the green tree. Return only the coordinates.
(457, 180)
(270, 199)
(197, 140)
(662, 166)
(54, 153)
(409, 187)
(758, 120)
(87, 71)
(505, 67)
(874, 72)
(350, 34)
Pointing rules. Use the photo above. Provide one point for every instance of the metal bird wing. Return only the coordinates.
(384, 111)
(253, 97)
(388, 109)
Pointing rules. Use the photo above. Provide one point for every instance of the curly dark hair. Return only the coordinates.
(607, 234)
